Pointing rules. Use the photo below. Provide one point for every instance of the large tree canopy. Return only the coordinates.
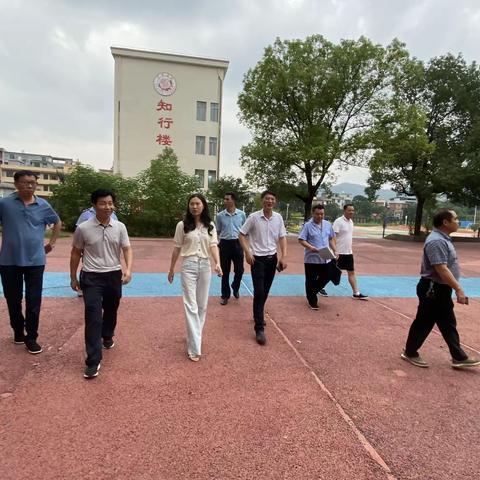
(306, 103)
(427, 132)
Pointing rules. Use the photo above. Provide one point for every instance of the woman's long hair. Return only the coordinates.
(189, 220)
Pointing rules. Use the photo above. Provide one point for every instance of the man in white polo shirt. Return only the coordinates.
(258, 237)
(102, 241)
(343, 228)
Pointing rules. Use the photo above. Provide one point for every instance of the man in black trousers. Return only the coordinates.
(259, 237)
(229, 222)
(439, 276)
(102, 241)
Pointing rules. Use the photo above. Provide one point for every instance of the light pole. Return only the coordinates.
(286, 216)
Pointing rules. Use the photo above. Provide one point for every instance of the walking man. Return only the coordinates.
(88, 213)
(24, 217)
(259, 237)
(343, 228)
(317, 233)
(102, 241)
(229, 222)
(439, 276)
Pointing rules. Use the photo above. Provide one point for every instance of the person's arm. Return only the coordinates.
(307, 245)
(75, 257)
(333, 245)
(447, 276)
(57, 227)
(173, 261)
(216, 259)
(127, 273)
(242, 238)
(282, 242)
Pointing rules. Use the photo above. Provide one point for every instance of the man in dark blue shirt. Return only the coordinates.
(440, 273)
(24, 218)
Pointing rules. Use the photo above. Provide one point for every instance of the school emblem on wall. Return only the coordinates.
(164, 84)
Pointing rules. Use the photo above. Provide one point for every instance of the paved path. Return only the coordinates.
(327, 398)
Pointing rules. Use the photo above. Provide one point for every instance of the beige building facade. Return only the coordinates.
(48, 168)
(165, 100)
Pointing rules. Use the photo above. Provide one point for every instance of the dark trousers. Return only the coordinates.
(101, 295)
(317, 275)
(435, 307)
(231, 251)
(263, 273)
(13, 278)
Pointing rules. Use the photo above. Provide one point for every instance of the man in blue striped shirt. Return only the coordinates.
(229, 222)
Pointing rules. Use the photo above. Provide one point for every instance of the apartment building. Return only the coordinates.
(48, 168)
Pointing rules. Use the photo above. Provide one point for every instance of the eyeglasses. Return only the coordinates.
(27, 184)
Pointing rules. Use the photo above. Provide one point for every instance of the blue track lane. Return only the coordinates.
(56, 284)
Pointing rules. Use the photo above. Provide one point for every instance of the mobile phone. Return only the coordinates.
(279, 267)
(466, 301)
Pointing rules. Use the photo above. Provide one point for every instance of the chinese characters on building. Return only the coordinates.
(165, 123)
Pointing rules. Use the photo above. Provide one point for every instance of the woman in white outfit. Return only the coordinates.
(196, 241)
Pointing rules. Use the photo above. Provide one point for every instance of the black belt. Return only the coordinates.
(266, 256)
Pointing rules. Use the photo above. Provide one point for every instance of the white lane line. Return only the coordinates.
(368, 447)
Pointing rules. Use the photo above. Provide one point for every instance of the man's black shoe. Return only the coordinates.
(260, 338)
(323, 292)
(313, 307)
(108, 343)
(18, 338)
(223, 301)
(91, 372)
(236, 294)
(32, 346)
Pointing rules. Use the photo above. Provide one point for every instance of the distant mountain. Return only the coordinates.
(357, 189)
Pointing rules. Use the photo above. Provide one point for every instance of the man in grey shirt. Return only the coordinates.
(102, 241)
(439, 276)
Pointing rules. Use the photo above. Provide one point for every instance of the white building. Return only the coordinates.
(165, 100)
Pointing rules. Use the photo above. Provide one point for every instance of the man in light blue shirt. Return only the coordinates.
(229, 222)
(317, 233)
(24, 218)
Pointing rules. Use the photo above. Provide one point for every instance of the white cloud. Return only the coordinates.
(56, 87)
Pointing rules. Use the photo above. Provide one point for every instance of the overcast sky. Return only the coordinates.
(56, 69)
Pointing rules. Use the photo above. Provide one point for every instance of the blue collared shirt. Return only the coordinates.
(317, 235)
(439, 250)
(88, 214)
(24, 230)
(228, 224)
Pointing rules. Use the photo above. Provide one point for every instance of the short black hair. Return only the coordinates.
(440, 216)
(100, 193)
(348, 205)
(267, 192)
(318, 206)
(234, 197)
(24, 173)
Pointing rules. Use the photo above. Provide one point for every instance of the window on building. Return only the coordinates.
(12, 156)
(9, 173)
(212, 146)
(202, 111)
(212, 177)
(214, 112)
(200, 174)
(200, 145)
(45, 176)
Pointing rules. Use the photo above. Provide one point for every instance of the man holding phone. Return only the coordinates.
(258, 237)
(440, 272)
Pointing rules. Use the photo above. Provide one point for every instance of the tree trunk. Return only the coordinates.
(418, 215)
(307, 212)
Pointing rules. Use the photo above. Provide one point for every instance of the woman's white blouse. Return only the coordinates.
(197, 242)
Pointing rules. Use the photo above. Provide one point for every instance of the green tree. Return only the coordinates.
(363, 206)
(72, 195)
(225, 184)
(424, 132)
(306, 104)
(163, 191)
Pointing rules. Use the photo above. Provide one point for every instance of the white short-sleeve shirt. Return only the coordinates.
(196, 242)
(343, 228)
(263, 232)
